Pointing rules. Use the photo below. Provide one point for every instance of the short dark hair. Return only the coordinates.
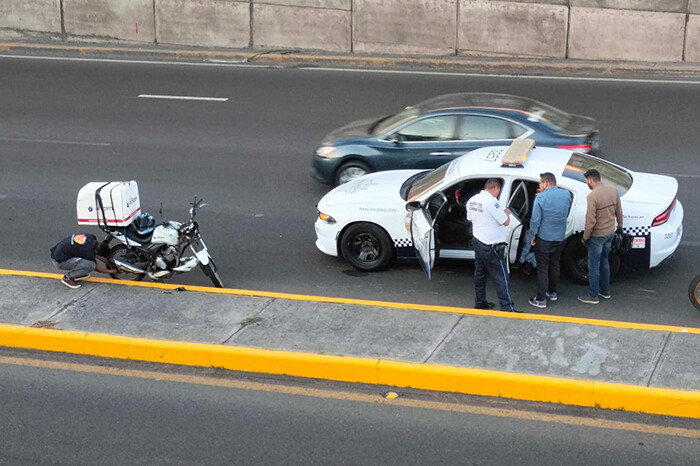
(492, 183)
(592, 174)
(101, 249)
(548, 178)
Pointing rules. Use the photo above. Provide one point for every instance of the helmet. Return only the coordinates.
(144, 223)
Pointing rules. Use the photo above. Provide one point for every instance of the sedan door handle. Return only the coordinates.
(441, 153)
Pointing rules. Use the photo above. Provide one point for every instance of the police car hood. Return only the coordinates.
(376, 189)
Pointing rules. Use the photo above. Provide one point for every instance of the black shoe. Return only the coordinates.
(528, 268)
(484, 305)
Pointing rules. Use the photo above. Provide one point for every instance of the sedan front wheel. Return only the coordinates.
(350, 171)
(367, 247)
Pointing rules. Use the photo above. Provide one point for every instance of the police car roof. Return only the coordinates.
(487, 161)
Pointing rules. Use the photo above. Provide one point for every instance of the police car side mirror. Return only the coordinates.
(413, 206)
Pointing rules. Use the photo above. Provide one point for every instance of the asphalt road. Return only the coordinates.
(66, 123)
(57, 416)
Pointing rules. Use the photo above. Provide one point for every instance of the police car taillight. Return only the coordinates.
(665, 215)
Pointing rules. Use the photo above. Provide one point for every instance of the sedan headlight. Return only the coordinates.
(326, 218)
(325, 151)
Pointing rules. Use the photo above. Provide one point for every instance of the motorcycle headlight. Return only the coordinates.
(325, 151)
(326, 218)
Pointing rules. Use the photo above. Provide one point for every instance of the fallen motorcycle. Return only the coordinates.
(694, 292)
(143, 248)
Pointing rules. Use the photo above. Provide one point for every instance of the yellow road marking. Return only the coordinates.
(356, 397)
(374, 371)
(364, 302)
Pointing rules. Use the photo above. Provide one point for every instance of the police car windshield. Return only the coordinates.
(425, 182)
(610, 174)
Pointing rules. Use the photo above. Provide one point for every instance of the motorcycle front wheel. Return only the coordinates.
(694, 292)
(211, 272)
(131, 256)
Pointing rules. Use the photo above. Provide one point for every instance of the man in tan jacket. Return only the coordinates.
(604, 211)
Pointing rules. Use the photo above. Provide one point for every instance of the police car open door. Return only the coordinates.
(423, 230)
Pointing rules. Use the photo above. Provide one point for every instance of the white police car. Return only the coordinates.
(392, 215)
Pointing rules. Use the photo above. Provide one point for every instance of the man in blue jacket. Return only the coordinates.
(548, 236)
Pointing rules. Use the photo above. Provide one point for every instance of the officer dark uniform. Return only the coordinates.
(489, 222)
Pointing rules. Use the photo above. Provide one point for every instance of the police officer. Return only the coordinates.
(489, 223)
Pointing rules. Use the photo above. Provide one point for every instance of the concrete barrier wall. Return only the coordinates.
(641, 30)
(34, 15)
(211, 23)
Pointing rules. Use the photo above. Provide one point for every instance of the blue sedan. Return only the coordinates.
(441, 129)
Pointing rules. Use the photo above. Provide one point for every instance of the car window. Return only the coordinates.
(518, 130)
(382, 126)
(557, 119)
(610, 174)
(479, 128)
(437, 128)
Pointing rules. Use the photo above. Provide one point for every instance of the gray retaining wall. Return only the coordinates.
(639, 30)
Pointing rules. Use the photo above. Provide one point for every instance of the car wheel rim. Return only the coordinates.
(350, 174)
(365, 247)
(696, 294)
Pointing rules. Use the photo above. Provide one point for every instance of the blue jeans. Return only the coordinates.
(599, 265)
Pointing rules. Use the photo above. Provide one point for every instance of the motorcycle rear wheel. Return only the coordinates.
(133, 257)
(694, 292)
(213, 274)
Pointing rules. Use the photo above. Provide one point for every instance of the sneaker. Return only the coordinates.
(70, 283)
(605, 295)
(484, 305)
(537, 303)
(77, 279)
(588, 300)
(552, 296)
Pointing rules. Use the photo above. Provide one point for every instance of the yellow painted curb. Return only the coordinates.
(364, 302)
(362, 370)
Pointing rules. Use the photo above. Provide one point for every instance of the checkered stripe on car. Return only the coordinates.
(638, 231)
(634, 231)
(403, 242)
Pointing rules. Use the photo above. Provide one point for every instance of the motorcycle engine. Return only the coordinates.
(167, 257)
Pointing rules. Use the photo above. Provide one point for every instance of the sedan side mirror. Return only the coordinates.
(413, 206)
(395, 138)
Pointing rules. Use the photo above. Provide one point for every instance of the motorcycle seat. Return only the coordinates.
(133, 234)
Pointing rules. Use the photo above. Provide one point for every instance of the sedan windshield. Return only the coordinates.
(427, 182)
(403, 116)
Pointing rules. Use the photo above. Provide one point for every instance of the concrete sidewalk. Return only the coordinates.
(566, 351)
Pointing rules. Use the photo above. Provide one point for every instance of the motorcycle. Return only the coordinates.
(158, 252)
(694, 292)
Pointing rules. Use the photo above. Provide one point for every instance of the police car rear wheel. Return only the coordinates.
(366, 247)
(694, 292)
(575, 261)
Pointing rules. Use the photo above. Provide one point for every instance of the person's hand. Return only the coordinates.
(111, 271)
(532, 242)
(584, 242)
(507, 211)
(619, 231)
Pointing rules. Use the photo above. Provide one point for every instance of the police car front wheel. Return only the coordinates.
(366, 246)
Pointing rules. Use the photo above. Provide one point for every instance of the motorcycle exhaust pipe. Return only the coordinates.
(128, 267)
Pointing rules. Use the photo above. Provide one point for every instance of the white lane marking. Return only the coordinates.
(681, 175)
(53, 141)
(182, 97)
(355, 70)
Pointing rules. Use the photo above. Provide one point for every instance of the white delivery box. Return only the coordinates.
(119, 207)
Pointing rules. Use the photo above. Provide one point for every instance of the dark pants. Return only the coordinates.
(548, 256)
(488, 263)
